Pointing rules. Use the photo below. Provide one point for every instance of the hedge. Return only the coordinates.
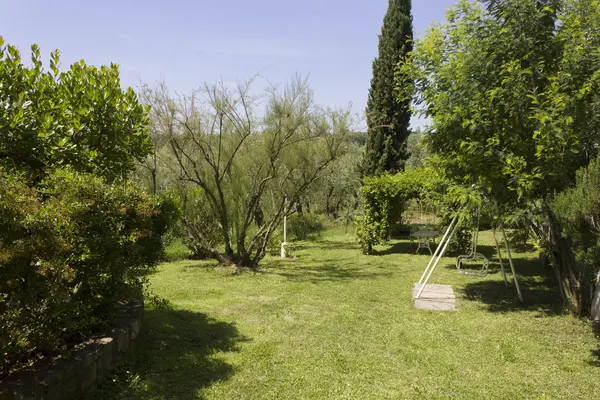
(70, 251)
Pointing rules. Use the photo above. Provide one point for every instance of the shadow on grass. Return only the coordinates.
(538, 286)
(327, 245)
(404, 247)
(176, 356)
(322, 273)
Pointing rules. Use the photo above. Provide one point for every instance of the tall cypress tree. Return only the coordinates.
(387, 119)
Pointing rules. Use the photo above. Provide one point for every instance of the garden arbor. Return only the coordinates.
(383, 200)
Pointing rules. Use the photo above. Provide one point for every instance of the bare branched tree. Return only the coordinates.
(253, 157)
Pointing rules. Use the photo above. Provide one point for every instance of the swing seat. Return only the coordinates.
(473, 257)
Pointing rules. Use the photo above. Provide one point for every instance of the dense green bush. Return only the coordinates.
(79, 117)
(304, 226)
(382, 204)
(198, 227)
(70, 250)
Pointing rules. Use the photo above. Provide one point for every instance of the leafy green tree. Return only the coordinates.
(512, 90)
(79, 118)
(151, 171)
(387, 119)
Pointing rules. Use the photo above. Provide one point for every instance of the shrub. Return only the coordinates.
(518, 238)
(382, 206)
(70, 251)
(198, 228)
(274, 246)
(305, 226)
(79, 117)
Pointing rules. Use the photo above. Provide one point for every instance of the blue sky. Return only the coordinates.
(188, 42)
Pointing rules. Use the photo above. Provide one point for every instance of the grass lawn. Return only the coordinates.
(334, 324)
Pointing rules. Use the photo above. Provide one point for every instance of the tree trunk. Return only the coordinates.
(299, 208)
(328, 209)
(595, 309)
(565, 266)
(153, 181)
(199, 244)
(336, 210)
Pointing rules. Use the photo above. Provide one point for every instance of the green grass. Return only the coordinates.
(334, 324)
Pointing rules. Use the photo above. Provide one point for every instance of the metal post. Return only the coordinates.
(283, 249)
(512, 267)
(500, 256)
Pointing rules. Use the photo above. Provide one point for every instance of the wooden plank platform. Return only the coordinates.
(435, 297)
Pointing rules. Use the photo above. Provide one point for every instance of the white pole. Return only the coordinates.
(512, 267)
(283, 250)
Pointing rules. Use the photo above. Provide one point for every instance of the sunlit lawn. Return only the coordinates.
(334, 324)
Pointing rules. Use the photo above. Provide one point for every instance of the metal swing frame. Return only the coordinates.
(441, 250)
(473, 255)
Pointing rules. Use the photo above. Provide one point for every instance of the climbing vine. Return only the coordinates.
(383, 200)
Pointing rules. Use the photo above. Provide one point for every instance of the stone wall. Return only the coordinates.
(76, 375)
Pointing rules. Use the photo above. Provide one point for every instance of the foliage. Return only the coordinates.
(417, 150)
(518, 234)
(387, 119)
(79, 118)
(381, 207)
(69, 253)
(198, 228)
(578, 211)
(462, 241)
(305, 226)
(337, 190)
(249, 170)
(512, 91)
(383, 199)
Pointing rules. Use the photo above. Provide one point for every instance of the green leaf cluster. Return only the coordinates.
(80, 118)
(512, 90)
